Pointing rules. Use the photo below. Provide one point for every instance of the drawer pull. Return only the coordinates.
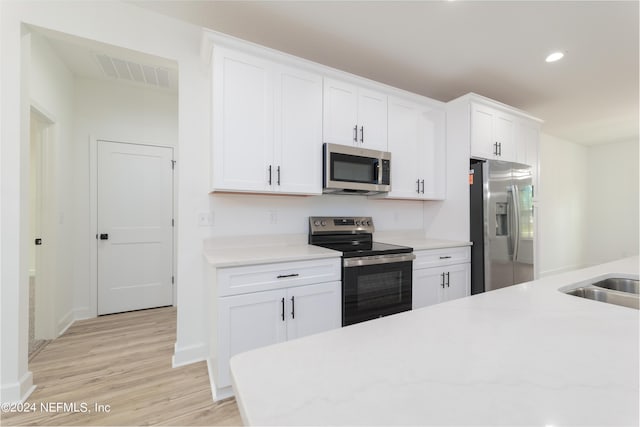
(445, 257)
(283, 276)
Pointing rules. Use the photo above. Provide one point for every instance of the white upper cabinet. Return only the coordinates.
(492, 133)
(267, 129)
(242, 121)
(527, 135)
(298, 132)
(417, 146)
(354, 115)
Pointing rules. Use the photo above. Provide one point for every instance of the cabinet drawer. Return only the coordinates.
(254, 278)
(438, 257)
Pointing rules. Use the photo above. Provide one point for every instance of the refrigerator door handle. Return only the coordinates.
(515, 196)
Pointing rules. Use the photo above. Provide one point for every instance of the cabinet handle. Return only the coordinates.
(362, 134)
(418, 184)
(278, 175)
(445, 257)
(442, 284)
(500, 149)
(447, 279)
(282, 313)
(293, 307)
(355, 133)
(282, 276)
(422, 182)
(269, 174)
(495, 148)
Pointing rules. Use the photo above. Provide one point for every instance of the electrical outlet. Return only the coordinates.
(273, 217)
(205, 219)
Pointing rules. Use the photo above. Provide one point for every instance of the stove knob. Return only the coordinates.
(367, 223)
(358, 223)
(323, 223)
(316, 222)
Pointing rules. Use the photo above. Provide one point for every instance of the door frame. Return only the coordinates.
(45, 327)
(93, 206)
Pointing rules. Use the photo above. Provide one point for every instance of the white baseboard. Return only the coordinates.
(217, 394)
(64, 323)
(18, 391)
(83, 313)
(188, 355)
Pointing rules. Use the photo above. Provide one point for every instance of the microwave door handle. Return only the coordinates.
(378, 172)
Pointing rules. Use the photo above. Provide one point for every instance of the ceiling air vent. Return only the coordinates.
(121, 69)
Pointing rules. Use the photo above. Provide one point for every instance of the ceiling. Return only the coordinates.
(444, 49)
(90, 59)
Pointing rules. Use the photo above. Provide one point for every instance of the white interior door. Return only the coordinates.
(135, 226)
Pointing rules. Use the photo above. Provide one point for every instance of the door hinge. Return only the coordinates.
(173, 164)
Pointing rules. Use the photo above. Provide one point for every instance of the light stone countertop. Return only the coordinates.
(233, 251)
(522, 355)
(416, 240)
(250, 250)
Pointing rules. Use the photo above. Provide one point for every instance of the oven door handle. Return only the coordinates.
(377, 259)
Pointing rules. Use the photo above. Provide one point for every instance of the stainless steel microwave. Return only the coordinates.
(355, 170)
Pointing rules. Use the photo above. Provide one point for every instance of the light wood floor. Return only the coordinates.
(124, 361)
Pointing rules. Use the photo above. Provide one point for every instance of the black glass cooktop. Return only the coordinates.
(352, 249)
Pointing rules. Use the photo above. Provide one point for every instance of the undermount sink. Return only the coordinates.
(620, 284)
(618, 291)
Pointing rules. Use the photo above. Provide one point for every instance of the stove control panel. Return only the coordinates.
(340, 225)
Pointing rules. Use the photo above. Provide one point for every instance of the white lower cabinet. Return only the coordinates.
(443, 282)
(252, 320)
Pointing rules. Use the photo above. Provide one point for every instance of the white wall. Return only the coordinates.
(51, 90)
(563, 231)
(244, 214)
(612, 209)
(118, 112)
(130, 27)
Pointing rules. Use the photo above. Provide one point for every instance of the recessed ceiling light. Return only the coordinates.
(555, 56)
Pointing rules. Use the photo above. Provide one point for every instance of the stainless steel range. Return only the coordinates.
(376, 277)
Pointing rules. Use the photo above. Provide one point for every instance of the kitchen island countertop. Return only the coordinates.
(523, 355)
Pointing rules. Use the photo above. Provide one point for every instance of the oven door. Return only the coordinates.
(373, 288)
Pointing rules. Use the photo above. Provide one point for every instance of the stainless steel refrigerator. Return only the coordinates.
(501, 203)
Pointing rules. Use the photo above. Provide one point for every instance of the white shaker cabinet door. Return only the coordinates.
(372, 120)
(313, 309)
(431, 134)
(427, 288)
(417, 144)
(503, 134)
(406, 149)
(340, 112)
(482, 140)
(242, 121)
(458, 281)
(298, 132)
(247, 322)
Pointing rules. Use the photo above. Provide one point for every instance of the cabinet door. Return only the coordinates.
(526, 136)
(427, 287)
(340, 112)
(313, 309)
(406, 149)
(431, 133)
(458, 283)
(503, 134)
(482, 140)
(298, 132)
(242, 121)
(246, 322)
(372, 120)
